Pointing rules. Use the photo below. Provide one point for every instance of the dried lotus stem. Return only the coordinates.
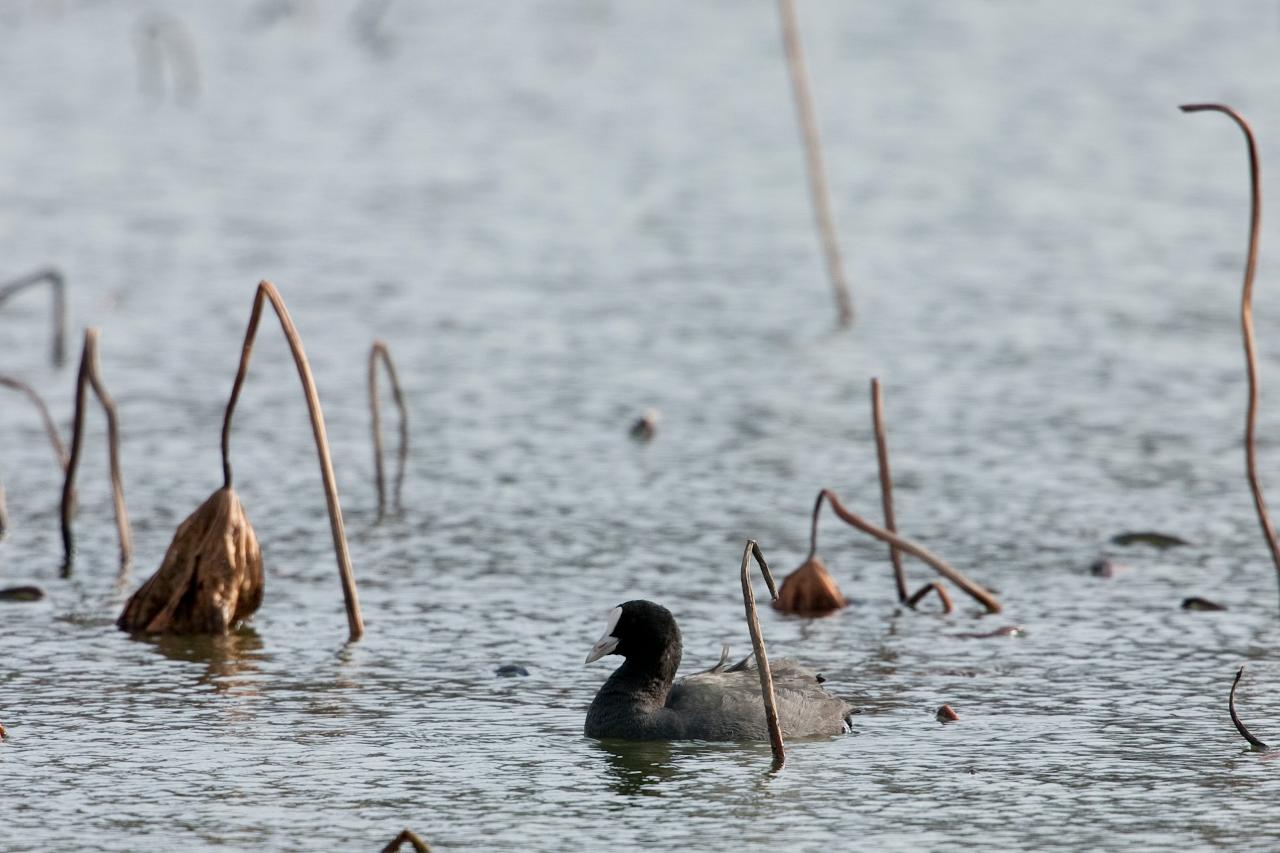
(886, 490)
(1246, 326)
(757, 645)
(268, 293)
(59, 451)
(1254, 743)
(407, 836)
(932, 586)
(379, 352)
(939, 565)
(818, 193)
(90, 376)
(58, 284)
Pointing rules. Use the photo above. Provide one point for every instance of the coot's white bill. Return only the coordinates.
(608, 642)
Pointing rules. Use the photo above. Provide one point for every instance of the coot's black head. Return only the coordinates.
(638, 630)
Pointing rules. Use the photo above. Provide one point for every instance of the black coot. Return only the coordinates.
(643, 701)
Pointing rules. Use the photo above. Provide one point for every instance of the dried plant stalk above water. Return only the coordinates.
(818, 192)
(886, 485)
(1254, 743)
(90, 376)
(50, 430)
(407, 836)
(757, 645)
(58, 285)
(219, 530)
(1246, 325)
(378, 352)
(975, 591)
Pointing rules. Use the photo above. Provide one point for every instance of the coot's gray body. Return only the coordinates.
(643, 701)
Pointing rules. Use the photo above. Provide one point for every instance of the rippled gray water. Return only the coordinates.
(557, 214)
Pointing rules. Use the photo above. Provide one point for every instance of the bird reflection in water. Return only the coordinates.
(231, 661)
(638, 766)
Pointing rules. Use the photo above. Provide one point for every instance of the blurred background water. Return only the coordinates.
(557, 214)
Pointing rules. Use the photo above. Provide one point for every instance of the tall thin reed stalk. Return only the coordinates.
(886, 485)
(818, 193)
(757, 645)
(58, 286)
(378, 352)
(50, 430)
(89, 376)
(906, 545)
(268, 293)
(1246, 325)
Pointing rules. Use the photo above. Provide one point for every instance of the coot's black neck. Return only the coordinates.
(633, 697)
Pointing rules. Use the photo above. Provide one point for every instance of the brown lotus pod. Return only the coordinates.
(210, 579)
(809, 591)
(947, 714)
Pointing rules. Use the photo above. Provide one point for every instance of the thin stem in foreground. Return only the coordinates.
(813, 159)
(757, 645)
(379, 352)
(58, 284)
(886, 488)
(932, 586)
(267, 293)
(1240, 727)
(1246, 325)
(90, 376)
(939, 565)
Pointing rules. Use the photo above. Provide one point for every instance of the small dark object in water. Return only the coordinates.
(1006, 631)
(3, 733)
(1254, 744)
(647, 426)
(407, 836)
(511, 670)
(947, 714)
(1148, 537)
(21, 593)
(1195, 602)
(1104, 567)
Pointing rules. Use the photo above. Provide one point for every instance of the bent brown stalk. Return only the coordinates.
(58, 284)
(1256, 744)
(813, 160)
(50, 430)
(268, 293)
(1246, 325)
(90, 375)
(757, 645)
(932, 586)
(886, 488)
(939, 565)
(379, 352)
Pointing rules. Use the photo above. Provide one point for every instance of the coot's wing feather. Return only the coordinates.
(727, 705)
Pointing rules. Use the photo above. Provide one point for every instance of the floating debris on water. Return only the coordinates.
(947, 714)
(809, 591)
(1195, 602)
(1006, 631)
(21, 593)
(1105, 567)
(646, 426)
(511, 670)
(1148, 537)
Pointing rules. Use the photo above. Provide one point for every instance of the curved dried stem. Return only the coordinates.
(58, 284)
(919, 552)
(50, 430)
(1246, 325)
(813, 160)
(379, 352)
(757, 645)
(268, 293)
(886, 488)
(932, 586)
(1256, 744)
(407, 836)
(90, 376)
